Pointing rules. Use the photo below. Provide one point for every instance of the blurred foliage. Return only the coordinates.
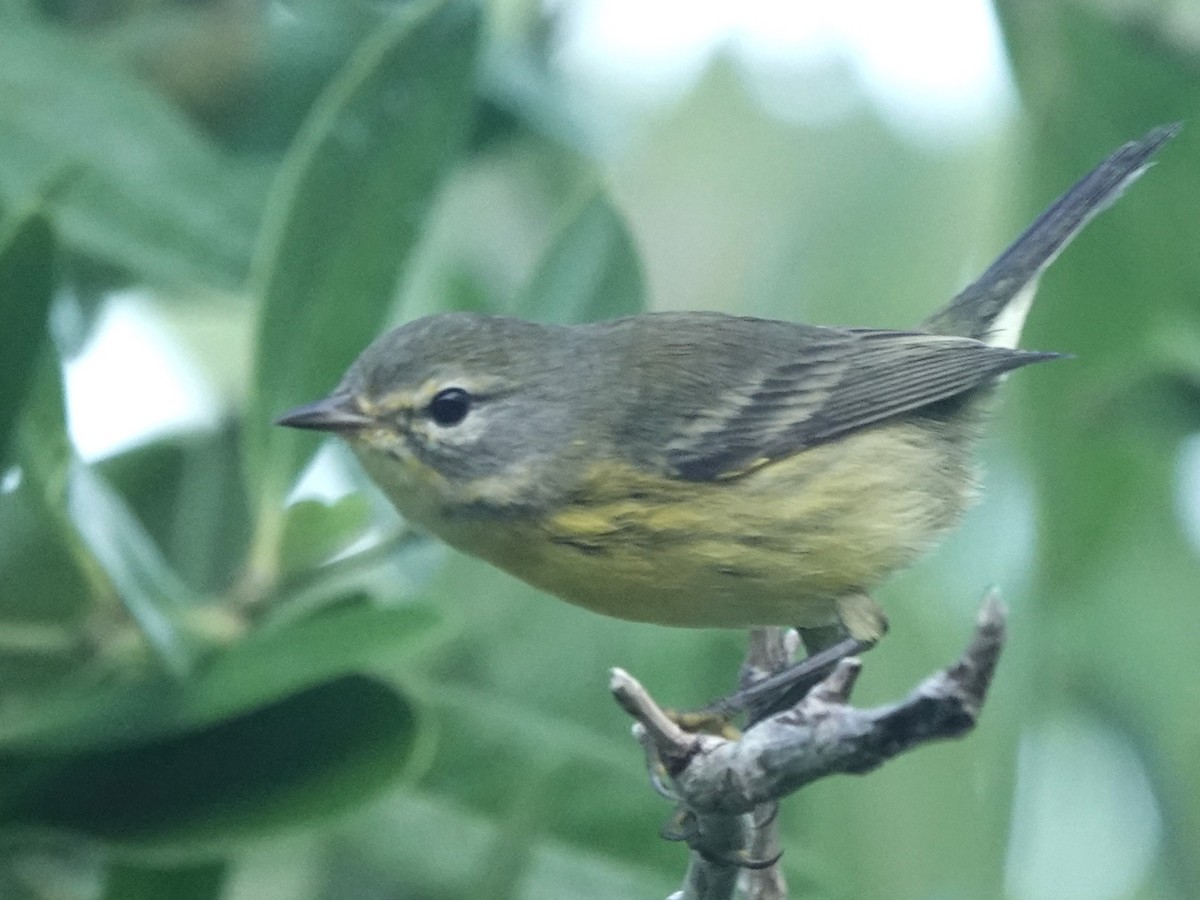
(213, 688)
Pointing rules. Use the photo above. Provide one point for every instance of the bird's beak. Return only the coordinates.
(337, 413)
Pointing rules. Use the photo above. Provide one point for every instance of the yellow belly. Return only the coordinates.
(779, 545)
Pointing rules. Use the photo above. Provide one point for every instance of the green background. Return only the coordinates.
(208, 693)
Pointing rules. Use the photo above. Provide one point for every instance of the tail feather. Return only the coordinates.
(993, 307)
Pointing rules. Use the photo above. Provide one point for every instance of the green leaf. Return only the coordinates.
(50, 577)
(147, 191)
(202, 793)
(314, 530)
(203, 881)
(26, 288)
(110, 547)
(265, 666)
(346, 213)
(188, 489)
(154, 595)
(41, 583)
(591, 271)
(452, 858)
(256, 670)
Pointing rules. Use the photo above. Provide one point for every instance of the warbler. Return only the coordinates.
(694, 468)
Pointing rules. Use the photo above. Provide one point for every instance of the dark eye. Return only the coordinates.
(450, 406)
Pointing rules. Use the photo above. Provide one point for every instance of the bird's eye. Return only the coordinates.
(450, 406)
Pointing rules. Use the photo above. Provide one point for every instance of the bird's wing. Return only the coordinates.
(839, 381)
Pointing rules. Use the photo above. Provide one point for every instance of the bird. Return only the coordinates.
(701, 469)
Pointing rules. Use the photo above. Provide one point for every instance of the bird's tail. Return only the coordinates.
(993, 307)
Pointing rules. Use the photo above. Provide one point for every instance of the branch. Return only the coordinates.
(720, 782)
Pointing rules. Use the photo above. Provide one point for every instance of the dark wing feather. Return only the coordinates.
(845, 380)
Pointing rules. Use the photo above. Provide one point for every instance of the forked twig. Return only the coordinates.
(723, 785)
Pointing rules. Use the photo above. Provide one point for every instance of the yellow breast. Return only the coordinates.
(779, 545)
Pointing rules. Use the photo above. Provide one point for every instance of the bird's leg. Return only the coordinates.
(817, 639)
(862, 623)
(786, 688)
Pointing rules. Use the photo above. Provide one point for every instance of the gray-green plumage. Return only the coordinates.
(698, 468)
(717, 393)
(975, 309)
